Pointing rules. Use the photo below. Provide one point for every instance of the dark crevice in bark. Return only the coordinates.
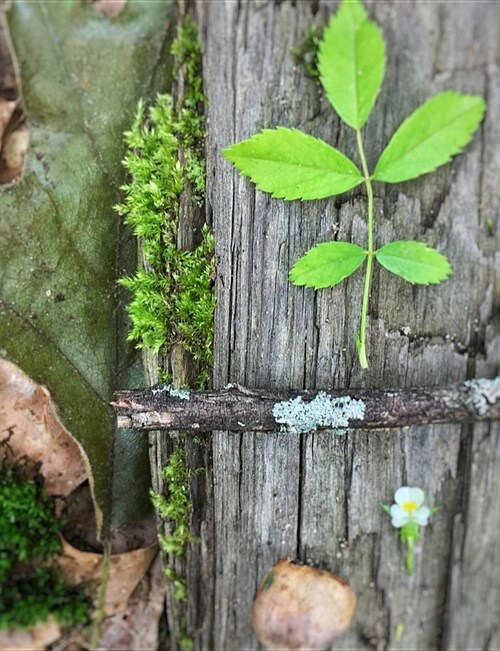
(300, 481)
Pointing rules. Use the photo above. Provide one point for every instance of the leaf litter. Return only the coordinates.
(31, 433)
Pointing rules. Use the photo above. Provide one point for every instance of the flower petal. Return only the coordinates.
(402, 495)
(399, 522)
(422, 515)
(398, 516)
(417, 496)
(410, 494)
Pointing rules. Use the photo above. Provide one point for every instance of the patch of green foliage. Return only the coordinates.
(189, 118)
(172, 297)
(176, 509)
(29, 597)
(28, 526)
(31, 590)
(307, 54)
(173, 301)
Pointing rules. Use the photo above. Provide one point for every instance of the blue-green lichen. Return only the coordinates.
(482, 393)
(182, 394)
(297, 416)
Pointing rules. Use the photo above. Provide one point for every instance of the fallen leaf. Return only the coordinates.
(14, 135)
(301, 607)
(109, 8)
(61, 243)
(137, 627)
(6, 112)
(28, 421)
(38, 638)
(14, 150)
(8, 85)
(125, 572)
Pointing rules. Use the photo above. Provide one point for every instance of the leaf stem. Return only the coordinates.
(361, 339)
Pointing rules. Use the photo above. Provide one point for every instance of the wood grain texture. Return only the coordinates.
(317, 497)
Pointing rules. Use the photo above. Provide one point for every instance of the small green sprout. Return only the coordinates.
(292, 165)
(408, 514)
(307, 55)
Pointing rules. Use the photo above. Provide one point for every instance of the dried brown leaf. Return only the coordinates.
(109, 8)
(29, 422)
(137, 627)
(6, 112)
(14, 150)
(125, 572)
(36, 639)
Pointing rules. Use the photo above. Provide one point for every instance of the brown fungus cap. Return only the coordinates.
(301, 607)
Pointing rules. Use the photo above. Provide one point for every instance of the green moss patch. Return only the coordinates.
(30, 589)
(176, 509)
(172, 296)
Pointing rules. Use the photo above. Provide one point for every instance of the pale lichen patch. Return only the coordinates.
(182, 394)
(482, 393)
(296, 415)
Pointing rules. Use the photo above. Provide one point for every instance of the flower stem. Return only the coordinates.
(409, 557)
(361, 338)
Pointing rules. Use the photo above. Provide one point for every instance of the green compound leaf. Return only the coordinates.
(415, 262)
(293, 165)
(327, 264)
(351, 62)
(434, 133)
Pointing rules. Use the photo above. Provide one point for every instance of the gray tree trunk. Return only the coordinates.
(316, 497)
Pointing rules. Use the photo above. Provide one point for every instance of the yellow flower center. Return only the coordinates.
(409, 506)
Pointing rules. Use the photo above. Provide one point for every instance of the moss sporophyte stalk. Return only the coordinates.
(292, 165)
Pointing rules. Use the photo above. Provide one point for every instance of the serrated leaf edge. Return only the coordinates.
(449, 270)
(359, 178)
(316, 287)
(358, 124)
(406, 120)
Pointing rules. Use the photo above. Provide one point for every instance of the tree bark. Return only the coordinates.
(316, 497)
(241, 410)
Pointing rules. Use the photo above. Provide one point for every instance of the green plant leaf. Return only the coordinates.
(293, 165)
(351, 62)
(59, 317)
(415, 262)
(327, 264)
(434, 133)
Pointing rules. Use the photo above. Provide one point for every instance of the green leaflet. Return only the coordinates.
(327, 264)
(415, 262)
(292, 165)
(434, 133)
(351, 63)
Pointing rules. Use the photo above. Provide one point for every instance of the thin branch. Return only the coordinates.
(238, 409)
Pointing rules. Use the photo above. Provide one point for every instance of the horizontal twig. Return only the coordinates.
(238, 409)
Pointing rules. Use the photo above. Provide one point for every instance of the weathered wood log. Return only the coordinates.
(241, 410)
(315, 496)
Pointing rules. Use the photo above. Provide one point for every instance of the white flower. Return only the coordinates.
(409, 507)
